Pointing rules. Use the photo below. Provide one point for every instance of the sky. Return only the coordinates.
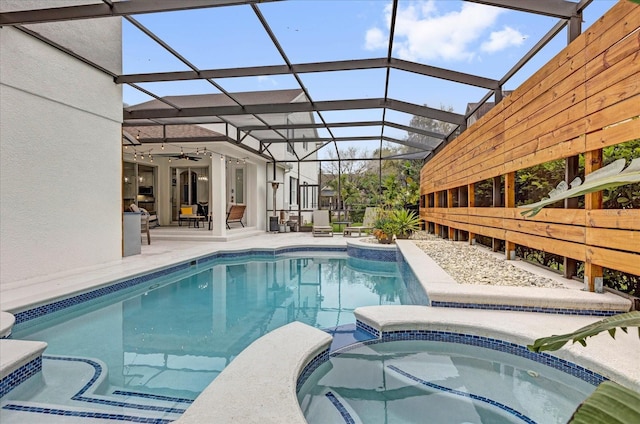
(462, 36)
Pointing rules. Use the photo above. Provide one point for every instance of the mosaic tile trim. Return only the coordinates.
(318, 360)
(367, 328)
(557, 311)
(384, 255)
(49, 308)
(264, 252)
(348, 419)
(479, 398)
(86, 414)
(150, 396)
(97, 372)
(20, 375)
(493, 344)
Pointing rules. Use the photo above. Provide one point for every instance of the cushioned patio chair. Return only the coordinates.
(151, 217)
(321, 224)
(190, 214)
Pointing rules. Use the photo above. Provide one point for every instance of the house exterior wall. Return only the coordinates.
(60, 158)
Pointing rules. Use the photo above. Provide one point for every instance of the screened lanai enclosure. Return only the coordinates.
(365, 70)
(252, 102)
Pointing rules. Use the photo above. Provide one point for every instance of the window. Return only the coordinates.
(305, 144)
(293, 191)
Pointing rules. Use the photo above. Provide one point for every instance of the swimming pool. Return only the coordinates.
(163, 343)
(433, 381)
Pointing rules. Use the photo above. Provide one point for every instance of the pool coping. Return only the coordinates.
(259, 385)
(443, 291)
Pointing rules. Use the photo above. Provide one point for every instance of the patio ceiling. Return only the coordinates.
(381, 117)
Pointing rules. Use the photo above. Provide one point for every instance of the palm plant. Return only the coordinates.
(407, 222)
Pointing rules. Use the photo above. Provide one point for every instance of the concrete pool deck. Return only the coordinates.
(439, 286)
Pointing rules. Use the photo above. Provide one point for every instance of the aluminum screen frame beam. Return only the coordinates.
(263, 109)
(120, 8)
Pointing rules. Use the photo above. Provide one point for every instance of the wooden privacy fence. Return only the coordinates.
(586, 98)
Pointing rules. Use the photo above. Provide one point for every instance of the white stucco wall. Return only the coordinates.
(60, 156)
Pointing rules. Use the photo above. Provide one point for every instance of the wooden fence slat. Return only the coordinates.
(552, 231)
(608, 136)
(618, 112)
(614, 259)
(557, 247)
(624, 219)
(628, 240)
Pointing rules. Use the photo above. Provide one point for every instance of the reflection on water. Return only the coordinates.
(175, 338)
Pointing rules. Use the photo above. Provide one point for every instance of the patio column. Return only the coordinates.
(218, 205)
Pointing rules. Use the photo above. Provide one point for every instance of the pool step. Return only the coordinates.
(19, 361)
(54, 398)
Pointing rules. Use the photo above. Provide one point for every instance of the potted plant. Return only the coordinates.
(384, 228)
(406, 221)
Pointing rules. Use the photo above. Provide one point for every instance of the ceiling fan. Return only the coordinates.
(182, 155)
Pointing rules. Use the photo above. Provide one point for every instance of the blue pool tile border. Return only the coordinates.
(317, 360)
(15, 378)
(472, 396)
(361, 252)
(346, 416)
(150, 396)
(49, 308)
(86, 414)
(538, 309)
(567, 367)
(80, 395)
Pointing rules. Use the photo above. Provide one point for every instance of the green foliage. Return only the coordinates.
(386, 224)
(627, 196)
(609, 177)
(610, 403)
(610, 324)
(537, 181)
(407, 222)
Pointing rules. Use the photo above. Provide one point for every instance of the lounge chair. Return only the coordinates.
(321, 224)
(370, 215)
(235, 214)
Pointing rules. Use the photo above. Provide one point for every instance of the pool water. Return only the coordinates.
(175, 335)
(437, 382)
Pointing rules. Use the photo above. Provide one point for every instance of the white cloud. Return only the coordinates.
(375, 39)
(500, 40)
(424, 33)
(265, 79)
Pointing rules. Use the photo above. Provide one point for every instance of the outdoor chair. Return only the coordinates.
(151, 217)
(370, 215)
(190, 214)
(235, 214)
(321, 224)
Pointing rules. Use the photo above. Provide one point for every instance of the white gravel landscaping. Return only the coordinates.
(469, 264)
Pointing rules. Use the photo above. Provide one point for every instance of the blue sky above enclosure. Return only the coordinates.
(451, 34)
